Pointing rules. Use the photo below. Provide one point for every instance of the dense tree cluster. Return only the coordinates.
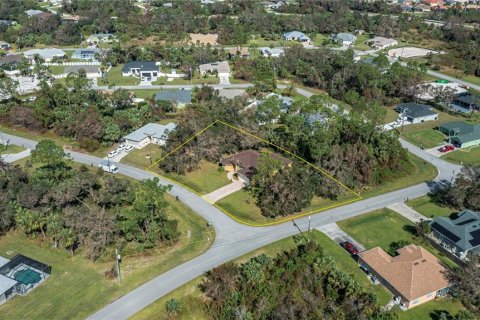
(465, 191)
(468, 283)
(350, 148)
(78, 209)
(75, 110)
(302, 283)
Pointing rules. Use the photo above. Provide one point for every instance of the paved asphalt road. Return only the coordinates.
(234, 239)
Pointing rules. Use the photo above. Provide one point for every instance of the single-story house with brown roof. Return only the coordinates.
(244, 163)
(414, 276)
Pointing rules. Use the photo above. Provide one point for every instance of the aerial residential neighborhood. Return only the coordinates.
(240, 159)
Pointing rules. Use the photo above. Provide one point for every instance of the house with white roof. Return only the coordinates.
(47, 54)
(150, 133)
(272, 52)
(345, 39)
(380, 43)
(296, 36)
(221, 67)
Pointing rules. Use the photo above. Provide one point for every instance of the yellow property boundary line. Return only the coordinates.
(358, 196)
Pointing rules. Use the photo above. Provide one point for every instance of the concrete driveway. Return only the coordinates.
(407, 212)
(9, 158)
(332, 231)
(224, 191)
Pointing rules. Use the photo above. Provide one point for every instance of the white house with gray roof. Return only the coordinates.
(271, 52)
(221, 67)
(47, 54)
(416, 113)
(145, 70)
(296, 36)
(459, 236)
(150, 133)
(177, 97)
(345, 39)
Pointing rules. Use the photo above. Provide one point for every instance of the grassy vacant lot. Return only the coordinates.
(205, 179)
(144, 93)
(115, 78)
(360, 42)
(191, 296)
(381, 227)
(429, 208)
(261, 42)
(138, 157)
(10, 149)
(469, 156)
(78, 287)
(56, 69)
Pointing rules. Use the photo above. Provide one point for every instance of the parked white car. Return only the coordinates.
(128, 148)
(121, 147)
(113, 153)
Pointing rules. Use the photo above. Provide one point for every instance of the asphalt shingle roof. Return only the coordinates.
(415, 110)
(142, 65)
(177, 96)
(154, 130)
(464, 231)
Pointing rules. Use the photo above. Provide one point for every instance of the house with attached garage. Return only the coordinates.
(145, 70)
(271, 52)
(466, 102)
(86, 53)
(296, 36)
(221, 67)
(459, 236)
(345, 39)
(47, 54)
(244, 163)
(379, 43)
(90, 71)
(414, 276)
(150, 133)
(461, 134)
(416, 113)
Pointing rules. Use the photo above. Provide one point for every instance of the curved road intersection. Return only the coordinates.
(234, 239)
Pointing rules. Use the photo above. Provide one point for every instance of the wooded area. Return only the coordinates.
(77, 209)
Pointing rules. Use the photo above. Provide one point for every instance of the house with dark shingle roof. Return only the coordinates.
(244, 163)
(461, 134)
(466, 102)
(145, 70)
(460, 235)
(177, 97)
(416, 113)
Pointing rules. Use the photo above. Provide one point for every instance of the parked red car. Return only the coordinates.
(446, 148)
(350, 247)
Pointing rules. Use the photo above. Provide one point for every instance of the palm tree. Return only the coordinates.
(173, 307)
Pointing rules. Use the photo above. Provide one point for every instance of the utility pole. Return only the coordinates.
(309, 227)
(118, 257)
(295, 224)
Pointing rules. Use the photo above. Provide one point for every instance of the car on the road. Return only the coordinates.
(350, 247)
(446, 148)
(113, 153)
(128, 148)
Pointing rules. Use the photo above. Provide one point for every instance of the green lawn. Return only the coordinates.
(197, 79)
(138, 157)
(10, 149)
(470, 156)
(429, 208)
(391, 115)
(409, 131)
(381, 227)
(360, 42)
(145, 93)
(427, 137)
(242, 205)
(260, 42)
(431, 310)
(78, 287)
(115, 78)
(207, 178)
(320, 39)
(56, 70)
(190, 294)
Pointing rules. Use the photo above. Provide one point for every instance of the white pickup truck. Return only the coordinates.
(107, 166)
